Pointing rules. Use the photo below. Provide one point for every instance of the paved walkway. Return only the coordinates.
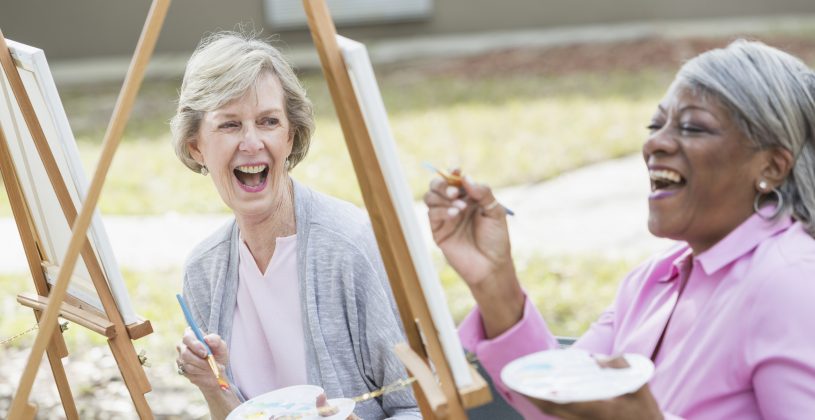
(597, 210)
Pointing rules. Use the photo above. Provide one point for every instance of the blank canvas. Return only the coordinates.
(367, 92)
(49, 220)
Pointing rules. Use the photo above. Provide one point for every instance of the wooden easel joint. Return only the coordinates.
(143, 358)
(472, 396)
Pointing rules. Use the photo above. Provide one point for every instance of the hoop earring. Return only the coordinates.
(204, 171)
(778, 207)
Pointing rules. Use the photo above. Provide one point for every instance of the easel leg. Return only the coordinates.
(132, 373)
(56, 351)
(61, 379)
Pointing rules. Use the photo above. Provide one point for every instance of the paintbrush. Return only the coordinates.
(456, 179)
(197, 331)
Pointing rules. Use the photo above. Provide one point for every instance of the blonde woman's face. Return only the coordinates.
(244, 144)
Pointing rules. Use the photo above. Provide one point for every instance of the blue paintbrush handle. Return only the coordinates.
(191, 322)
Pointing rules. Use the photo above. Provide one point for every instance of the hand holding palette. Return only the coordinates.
(573, 375)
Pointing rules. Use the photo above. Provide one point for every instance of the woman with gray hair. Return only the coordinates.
(725, 314)
(292, 290)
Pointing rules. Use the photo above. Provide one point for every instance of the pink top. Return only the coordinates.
(740, 343)
(267, 348)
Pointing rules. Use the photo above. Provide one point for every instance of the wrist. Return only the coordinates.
(502, 284)
(500, 300)
(216, 393)
(220, 402)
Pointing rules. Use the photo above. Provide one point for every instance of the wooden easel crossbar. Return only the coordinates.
(48, 305)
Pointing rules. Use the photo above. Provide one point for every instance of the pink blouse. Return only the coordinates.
(739, 345)
(267, 348)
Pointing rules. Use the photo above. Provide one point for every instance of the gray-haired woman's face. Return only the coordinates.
(244, 144)
(703, 170)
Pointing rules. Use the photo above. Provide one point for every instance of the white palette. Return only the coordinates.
(573, 375)
(298, 401)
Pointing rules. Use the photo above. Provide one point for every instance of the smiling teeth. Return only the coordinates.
(665, 175)
(251, 169)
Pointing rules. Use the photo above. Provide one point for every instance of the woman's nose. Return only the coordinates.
(660, 141)
(251, 142)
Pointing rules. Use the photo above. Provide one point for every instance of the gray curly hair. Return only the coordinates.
(771, 95)
(224, 66)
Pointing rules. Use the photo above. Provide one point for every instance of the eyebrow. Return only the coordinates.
(694, 107)
(689, 107)
(269, 111)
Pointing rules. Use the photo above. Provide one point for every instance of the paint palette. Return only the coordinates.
(573, 375)
(293, 402)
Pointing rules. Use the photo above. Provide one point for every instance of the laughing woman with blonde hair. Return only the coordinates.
(293, 290)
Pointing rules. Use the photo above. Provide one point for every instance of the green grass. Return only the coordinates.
(504, 131)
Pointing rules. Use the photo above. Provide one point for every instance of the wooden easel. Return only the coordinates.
(438, 395)
(47, 307)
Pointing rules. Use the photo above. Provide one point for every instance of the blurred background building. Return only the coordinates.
(105, 31)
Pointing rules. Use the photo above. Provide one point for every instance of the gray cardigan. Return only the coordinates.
(350, 323)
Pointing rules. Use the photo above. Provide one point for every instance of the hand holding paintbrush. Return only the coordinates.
(213, 365)
(470, 227)
(456, 179)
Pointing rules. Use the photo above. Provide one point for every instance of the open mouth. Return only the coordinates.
(252, 176)
(666, 180)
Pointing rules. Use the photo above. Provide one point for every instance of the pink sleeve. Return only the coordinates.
(782, 356)
(529, 335)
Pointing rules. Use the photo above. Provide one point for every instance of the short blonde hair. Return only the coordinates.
(224, 66)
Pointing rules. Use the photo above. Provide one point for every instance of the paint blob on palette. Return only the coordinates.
(292, 402)
(574, 375)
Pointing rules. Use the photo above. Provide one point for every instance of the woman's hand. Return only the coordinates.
(475, 240)
(639, 405)
(192, 360)
(328, 411)
(471, 229)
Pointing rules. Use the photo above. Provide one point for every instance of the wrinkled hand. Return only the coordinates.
(470, 229)
(639, 405)
(192, 360)
(328, 411)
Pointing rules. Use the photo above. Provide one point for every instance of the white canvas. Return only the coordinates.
(376, 119)
(49, 220)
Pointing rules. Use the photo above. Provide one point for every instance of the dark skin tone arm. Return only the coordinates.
(474, 237)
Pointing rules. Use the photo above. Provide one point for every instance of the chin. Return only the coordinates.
(660, 228)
